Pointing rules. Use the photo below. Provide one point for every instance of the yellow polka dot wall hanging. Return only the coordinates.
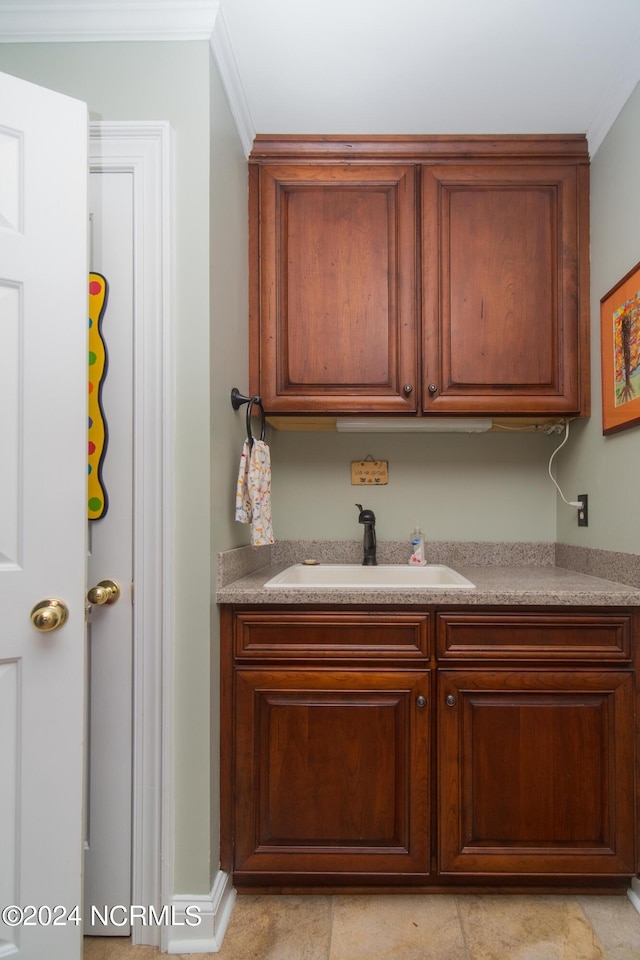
(98, 501)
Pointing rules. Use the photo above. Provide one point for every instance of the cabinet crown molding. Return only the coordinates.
(436, 147)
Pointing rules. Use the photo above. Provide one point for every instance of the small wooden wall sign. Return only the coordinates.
(373, 472)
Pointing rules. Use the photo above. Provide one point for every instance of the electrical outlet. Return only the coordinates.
(583, 511)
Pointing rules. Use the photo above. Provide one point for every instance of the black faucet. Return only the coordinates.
(368, 517)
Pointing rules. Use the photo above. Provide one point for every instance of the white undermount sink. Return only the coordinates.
(347, 576)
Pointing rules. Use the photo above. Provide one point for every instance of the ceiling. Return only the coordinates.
(386, 66)
(432, 66)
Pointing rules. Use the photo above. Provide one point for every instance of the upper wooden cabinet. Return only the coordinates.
(419, 276)
(336, 288)
(500, 288)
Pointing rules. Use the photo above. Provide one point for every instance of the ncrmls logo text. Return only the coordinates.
(167, 916)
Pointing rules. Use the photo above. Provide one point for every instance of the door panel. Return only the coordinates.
(536, 772)
(336, 288)
(501, 312)
(332, 772)
(43, 411)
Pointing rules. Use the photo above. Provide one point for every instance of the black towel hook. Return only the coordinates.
(237, 399)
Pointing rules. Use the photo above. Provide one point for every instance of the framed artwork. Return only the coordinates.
(620, 349)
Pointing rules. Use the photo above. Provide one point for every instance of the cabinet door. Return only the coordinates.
(331, 773)
(536, 773)
(505, 292)
(333, 288)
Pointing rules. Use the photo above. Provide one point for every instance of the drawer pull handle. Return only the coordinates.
(421, 701)
(450, 700)
(433, 388)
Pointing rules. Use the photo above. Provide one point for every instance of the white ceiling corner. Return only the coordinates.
(58, 21)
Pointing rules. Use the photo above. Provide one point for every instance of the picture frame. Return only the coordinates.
(620, 353)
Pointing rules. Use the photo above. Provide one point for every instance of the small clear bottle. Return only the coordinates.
(417, 557)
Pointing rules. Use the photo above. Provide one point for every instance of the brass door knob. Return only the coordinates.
(49, 614)
(107, 591)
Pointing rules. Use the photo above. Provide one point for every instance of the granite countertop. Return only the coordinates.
(511, 585)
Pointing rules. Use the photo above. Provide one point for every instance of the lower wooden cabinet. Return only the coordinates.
(462, 748)
(332, 772)
(535, 772)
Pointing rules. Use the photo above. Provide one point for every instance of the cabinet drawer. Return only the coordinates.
(322, 636)
(527, 636)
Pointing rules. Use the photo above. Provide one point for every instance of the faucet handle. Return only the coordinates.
(366, 516)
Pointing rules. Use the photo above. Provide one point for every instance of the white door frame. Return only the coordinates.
(144, 151)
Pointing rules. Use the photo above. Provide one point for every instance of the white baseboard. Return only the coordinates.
(634, 893)
(214, 913)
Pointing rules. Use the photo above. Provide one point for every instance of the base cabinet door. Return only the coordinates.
(535, 772)
(331, 774)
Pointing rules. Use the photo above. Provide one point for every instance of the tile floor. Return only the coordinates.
(415, 927)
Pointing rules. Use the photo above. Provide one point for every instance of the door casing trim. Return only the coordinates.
(144, 150)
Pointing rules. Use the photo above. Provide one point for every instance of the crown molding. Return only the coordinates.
(43, 21)
(620, 89)
(232, 82)
(82, 21)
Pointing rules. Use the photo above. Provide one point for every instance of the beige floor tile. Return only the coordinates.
(403, 927)
(278, 928)
(116, 948)
(527, 928)
(617, 925)
(414, 927)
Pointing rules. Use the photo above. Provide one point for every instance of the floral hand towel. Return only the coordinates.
(253, 495)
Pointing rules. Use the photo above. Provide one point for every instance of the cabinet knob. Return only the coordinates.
(408, 388)
(450, 700)
(421, 701)
(433, 388)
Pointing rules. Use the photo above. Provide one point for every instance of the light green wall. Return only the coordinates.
(229, 368)
(168, 81)
(458, 487)
(607, 468)
(229, 320)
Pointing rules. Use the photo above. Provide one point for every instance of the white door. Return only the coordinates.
(43, 469)
(110, 649)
